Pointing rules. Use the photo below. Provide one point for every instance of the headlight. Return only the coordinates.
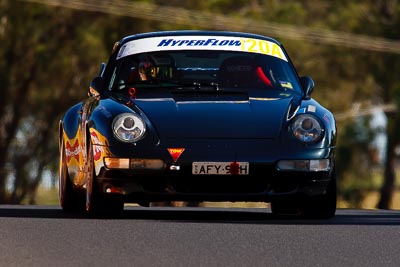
(128, 127)
(307, 128)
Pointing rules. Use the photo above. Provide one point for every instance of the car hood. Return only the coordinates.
(245, 119)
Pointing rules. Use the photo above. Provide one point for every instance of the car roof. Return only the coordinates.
(195, 33)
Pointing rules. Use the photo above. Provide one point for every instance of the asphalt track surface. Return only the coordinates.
(46, 236)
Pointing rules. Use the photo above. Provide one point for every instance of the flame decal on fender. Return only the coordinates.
(72, 151)
(100, 149)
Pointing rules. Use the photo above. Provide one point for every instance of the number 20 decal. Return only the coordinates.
(262, 47)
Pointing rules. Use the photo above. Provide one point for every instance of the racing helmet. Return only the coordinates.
(164, 66)
(145, 67)
(156, 66)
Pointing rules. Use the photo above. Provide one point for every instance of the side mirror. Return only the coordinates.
(96, 87)
(308, 85)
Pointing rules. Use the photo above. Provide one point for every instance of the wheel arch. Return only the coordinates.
(60, 132)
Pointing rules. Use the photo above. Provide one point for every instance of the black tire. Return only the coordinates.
(322, 206)
(70, 200)
(97, 203)
(315, 207)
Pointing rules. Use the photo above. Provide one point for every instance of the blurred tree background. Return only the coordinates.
(51, 49)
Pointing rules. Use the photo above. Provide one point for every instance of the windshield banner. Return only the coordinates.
(225, 43)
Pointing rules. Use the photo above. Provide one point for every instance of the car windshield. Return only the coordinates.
(198, 69)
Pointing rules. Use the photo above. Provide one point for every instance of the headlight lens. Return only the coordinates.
(129, 127)
(307, 128)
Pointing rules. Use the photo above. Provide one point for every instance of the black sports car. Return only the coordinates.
(199, 116)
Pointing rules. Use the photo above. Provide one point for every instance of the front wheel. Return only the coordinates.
(96, 202)
(70, 200)
(316, 207)
(322, 206)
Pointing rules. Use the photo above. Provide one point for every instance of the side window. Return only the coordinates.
(123, 70)
(282, 74)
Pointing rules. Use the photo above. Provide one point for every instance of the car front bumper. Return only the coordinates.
(265, 182)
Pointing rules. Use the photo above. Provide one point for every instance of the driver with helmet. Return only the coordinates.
(155, 67)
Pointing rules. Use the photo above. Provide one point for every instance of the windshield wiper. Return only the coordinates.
(122, 86)
(197, 86)
(178, 86)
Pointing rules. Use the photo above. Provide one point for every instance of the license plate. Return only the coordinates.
(220, 168)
